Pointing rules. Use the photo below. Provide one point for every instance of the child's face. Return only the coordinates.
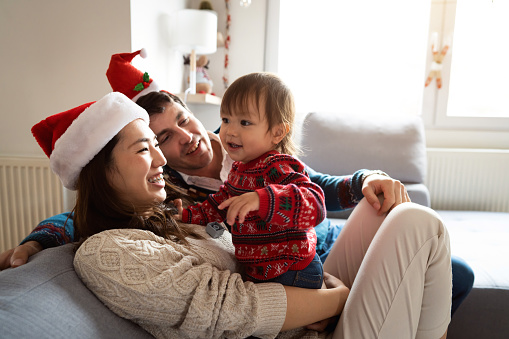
(246, 136)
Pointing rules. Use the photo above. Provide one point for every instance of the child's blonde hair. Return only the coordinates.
(265, 88)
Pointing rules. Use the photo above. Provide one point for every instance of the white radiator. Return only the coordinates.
(468, 179)
(457, 179)
(29, 193)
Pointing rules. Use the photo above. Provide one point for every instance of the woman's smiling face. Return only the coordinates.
(137, 174)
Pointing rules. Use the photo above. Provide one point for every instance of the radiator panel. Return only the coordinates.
(468, 179)
(457, 179)
(29, 193)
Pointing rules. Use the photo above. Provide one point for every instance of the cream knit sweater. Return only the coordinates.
(179, 291)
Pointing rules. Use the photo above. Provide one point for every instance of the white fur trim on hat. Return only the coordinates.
(90, 132)
(153, 87)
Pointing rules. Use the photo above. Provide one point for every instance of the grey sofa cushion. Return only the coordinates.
(46, 299)
(342, 144)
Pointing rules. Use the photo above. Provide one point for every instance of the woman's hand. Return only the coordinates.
(329, 281)
(19, 255)
(393, 192)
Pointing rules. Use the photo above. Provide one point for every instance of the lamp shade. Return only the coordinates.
(196, 30)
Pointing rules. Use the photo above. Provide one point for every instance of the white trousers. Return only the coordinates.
(398, 269)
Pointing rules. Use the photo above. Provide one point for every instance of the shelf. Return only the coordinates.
(201, 99)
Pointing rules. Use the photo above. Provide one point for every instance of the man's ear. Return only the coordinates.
(279, 132)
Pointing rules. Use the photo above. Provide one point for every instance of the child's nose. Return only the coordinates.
(231, 130)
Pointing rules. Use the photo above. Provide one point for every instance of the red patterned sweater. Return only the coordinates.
(280, 235)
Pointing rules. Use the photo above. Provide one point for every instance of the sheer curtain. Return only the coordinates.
(479, 85)
(354, 57)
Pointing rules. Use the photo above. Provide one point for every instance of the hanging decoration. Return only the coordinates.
(227, 45)
(436, 64)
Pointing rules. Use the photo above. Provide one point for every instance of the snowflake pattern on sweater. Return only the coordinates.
(280, 235)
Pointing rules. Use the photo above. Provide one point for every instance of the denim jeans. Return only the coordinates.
(309, 277)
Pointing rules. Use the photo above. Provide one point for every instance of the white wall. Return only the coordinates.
(54, 55)
(150, 29)
(150, 21)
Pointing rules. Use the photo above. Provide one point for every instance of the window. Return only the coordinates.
(373, 57)
(476, 94)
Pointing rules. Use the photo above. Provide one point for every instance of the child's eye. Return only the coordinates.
(245, 123)
(225, 120)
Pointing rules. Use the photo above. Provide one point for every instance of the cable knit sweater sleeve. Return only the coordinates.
(174, 290)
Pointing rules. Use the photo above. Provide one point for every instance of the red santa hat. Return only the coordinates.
(127, 79)
(72, 138)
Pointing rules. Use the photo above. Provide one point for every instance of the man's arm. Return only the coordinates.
(343, 192)
(54, 231)
(18, 256)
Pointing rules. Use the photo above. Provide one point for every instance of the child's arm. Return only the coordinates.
(207, 211)
(240, 206)
(290, 199)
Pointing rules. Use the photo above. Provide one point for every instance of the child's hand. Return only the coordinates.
(178, 206)
(240, 206)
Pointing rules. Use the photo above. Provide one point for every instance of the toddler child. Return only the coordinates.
(268, 199)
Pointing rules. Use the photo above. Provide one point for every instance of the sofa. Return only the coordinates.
(46, 299)
(340, 144)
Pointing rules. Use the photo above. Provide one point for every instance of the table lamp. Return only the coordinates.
(194, 32)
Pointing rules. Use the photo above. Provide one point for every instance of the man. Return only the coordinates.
(200, 165)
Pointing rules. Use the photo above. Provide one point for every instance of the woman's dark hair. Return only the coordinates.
(99, 208)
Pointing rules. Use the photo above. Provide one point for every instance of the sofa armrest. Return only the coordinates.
(46, 299)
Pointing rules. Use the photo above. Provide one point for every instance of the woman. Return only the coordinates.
(175, 281)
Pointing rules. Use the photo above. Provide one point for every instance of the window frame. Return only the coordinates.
(435, 101)
(434, 105)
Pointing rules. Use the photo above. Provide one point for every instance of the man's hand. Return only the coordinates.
(240, 206)
(393, 191)
(19, 255)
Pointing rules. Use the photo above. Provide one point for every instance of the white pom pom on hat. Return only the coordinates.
(143, 53)
(74, 137)
(127, 79)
